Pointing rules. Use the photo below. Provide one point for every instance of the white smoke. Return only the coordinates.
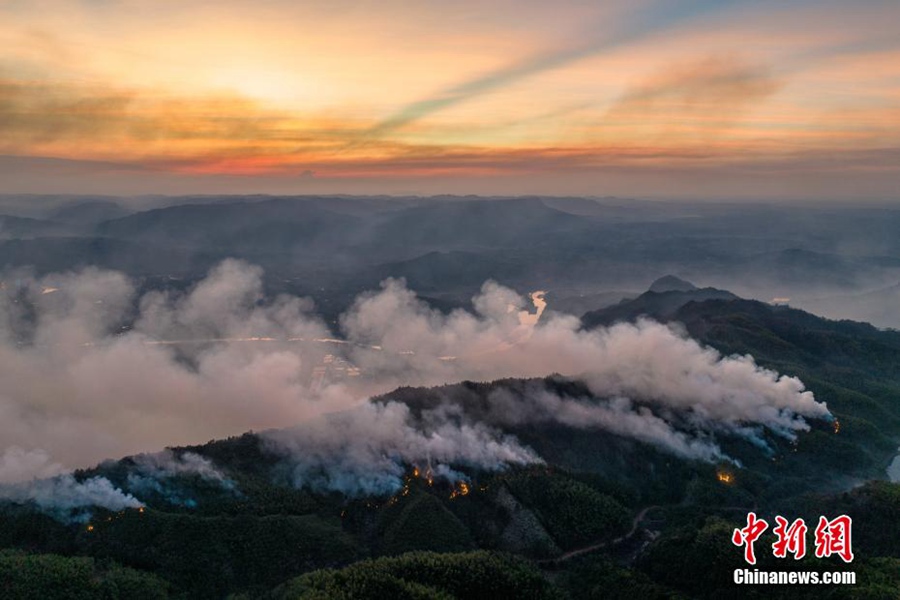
(365, 451)
(77, 387)
(165, 464)
(222, 359)
(17, 464)
(616, 415)
(66, 498)
(646, 360)
(157, 473)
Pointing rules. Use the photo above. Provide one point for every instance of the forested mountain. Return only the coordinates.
(603, 515)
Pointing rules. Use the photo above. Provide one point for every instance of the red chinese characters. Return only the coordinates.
(748, 535)
(833, 537)
(790, 538)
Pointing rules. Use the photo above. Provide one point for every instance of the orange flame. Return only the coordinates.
(462, 489)
(837, 426)
(724, 477)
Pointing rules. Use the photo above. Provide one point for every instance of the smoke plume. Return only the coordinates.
(17, 464)
(157, 473)
(365, 451)
(68, 499)
(93, 370)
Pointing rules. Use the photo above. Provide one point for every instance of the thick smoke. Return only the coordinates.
(646, 360)
(91, 371)
(17, 464)
(165, 464)
(157, 473)
(365, 450)
(617, 415)
(66, 498)
(80, 389)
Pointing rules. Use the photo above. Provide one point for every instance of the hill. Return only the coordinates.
(602, 513)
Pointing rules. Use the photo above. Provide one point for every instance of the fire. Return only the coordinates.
(725, 477)
(141, 510)
(837, 426)
(461, 489)
(90, 527)
(427, 474)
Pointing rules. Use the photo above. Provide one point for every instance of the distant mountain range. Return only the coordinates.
(449, 245)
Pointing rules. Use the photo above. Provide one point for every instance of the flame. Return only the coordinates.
(415, 471)
(90, 527)
(837, 426)
(141, 510)
(461, 489)
(724, 477)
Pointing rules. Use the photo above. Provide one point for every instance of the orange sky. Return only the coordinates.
(670, 98)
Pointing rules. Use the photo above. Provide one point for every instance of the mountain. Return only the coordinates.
(59, 254)
(661, 302)
(89, 212)
(588, 499)
(239, 228)
(603, 512)
(573, 247)
(27, 227)
(670, 283)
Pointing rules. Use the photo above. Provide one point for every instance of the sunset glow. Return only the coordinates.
(661, 98)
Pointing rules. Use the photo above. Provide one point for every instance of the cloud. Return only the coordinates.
(702, 98)
(641, 21)
(105, 122)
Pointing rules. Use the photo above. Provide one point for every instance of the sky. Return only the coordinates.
(648, 98)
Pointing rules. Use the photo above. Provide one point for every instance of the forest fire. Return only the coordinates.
(725, 477)
(461, 489)
(427, 474)
(837, 426)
